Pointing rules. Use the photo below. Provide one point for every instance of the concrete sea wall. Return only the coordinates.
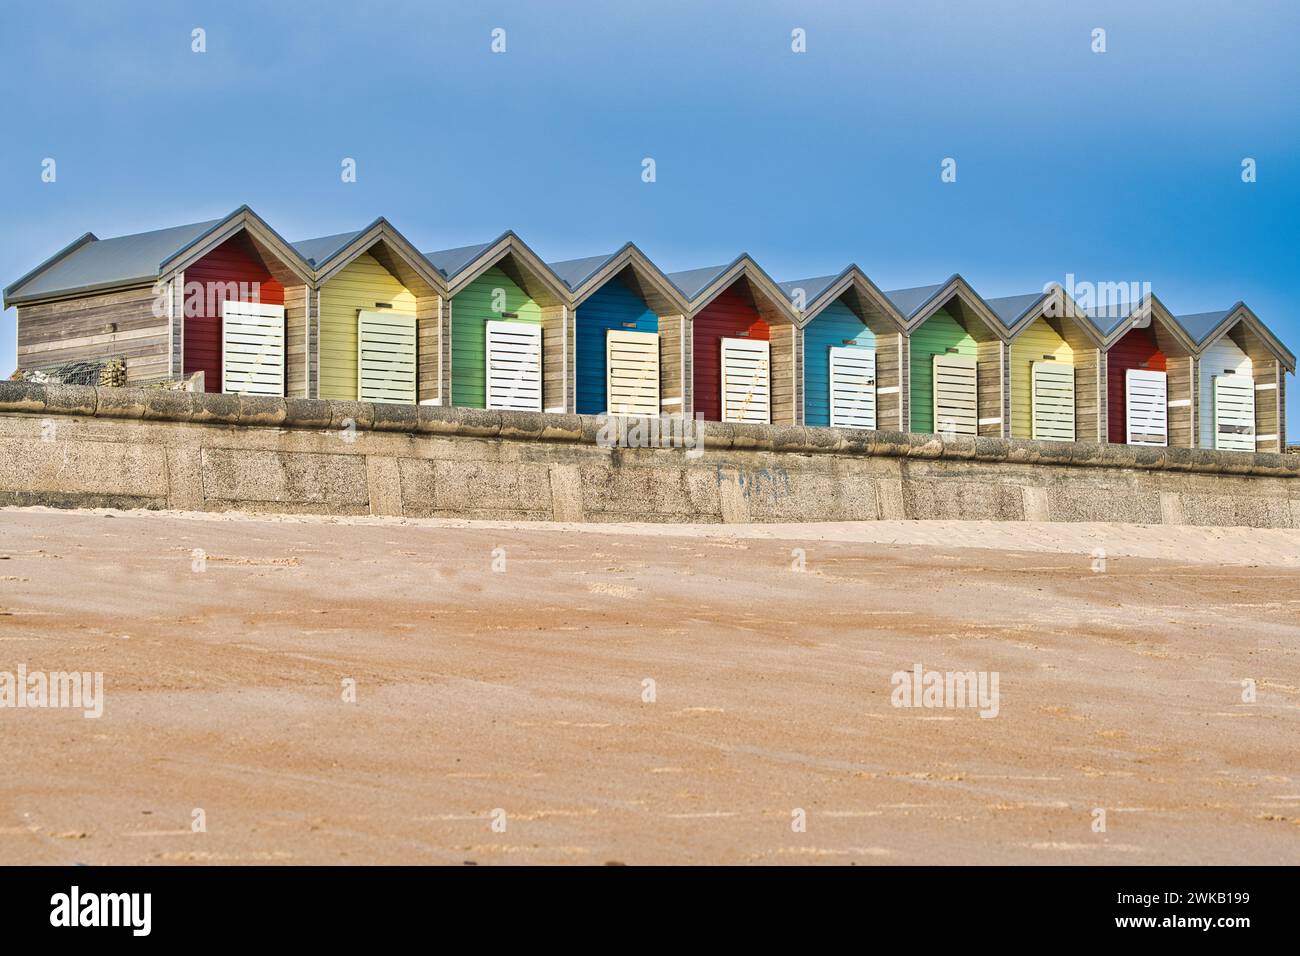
(78, 446)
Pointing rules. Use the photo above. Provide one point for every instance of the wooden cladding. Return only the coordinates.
(297, 304)
(133, 324)
(673, 373)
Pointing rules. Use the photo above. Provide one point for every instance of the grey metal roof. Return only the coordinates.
(812, 288)
(1011, 308)
(909, 301)
(694, 281)
(317, 251)
(452, 262)
(1199, 325)
(109, 262)
(574, 272)
(1106, 319)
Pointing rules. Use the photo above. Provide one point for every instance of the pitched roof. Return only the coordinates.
(694, 281)
(452, 262)
(1199, 325)
(910, 301)
(574, 272)
(318, 251)
(1107, 318)
(1012, 308)
(99, 263)
(812, 288)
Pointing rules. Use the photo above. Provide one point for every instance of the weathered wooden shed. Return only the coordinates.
(1054, 367)
(509, 318)
(1241, 371)
(956, 360)
(744, 345)
(226, 297)
(379, 303)
(628, 335)
(853, 348)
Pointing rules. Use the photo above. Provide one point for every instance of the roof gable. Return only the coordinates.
(956, 295)
(852, 287)
(584, 277)
(466, 264)
(772, 301)
(1239, 314)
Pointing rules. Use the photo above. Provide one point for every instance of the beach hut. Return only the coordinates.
(1054, 371)
(1240, 373)
(628, 335)
(852, 352)
(225, 297)
(1148, 362)
(509, 316)
(379, 307)
(743, 345)
(955, 360)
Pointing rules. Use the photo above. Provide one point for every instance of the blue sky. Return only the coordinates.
(1121, 166)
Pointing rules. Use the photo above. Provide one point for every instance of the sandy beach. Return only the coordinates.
(399, 691)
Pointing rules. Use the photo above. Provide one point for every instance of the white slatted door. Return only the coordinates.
(1052, 405)
(252, 348)
(631, 372)
(1146, 407)
(956, 395)
(853, 387)
(1234, 412)
(746, 381)
(386, 357)
(514, 366)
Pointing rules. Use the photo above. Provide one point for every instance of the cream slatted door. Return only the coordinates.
(252, 348)
(746, 381)
(514, 366)
(631, 372)
(1234, 412)
(1146, 407)
(956, 395)
(853, 387)
(386, 357)
(1052, 401)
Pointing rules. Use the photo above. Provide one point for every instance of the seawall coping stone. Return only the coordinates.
(27, 398)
